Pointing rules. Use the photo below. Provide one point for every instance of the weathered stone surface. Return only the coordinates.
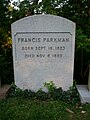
(4, 91)
(43, 51)
(84, 93)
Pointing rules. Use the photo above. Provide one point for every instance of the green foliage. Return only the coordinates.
(6, 67)
(50, 86)
(82, 41)
(4, 14)
(28, 105)
(6, 70)
(82, 56)
(25, 109)
(41, 95)
(17, 92)
(71, 96)
(16, 108)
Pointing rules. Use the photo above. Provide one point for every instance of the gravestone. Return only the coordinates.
(43, 51)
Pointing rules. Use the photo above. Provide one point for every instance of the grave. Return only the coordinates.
(43, 51)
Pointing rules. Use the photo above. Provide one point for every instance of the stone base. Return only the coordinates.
(84, 93)
(4, 91)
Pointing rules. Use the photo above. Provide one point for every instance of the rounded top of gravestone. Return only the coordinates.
(43, 16)
(43, 23)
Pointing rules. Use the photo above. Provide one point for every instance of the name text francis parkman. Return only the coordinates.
(44, 40)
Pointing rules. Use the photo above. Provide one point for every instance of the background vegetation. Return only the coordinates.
(25, 109)
(78, 11)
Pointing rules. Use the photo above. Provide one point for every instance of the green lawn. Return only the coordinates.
(16, 108)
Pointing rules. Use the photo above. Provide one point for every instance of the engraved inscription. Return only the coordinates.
(42, 46)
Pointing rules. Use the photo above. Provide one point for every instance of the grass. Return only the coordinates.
(17, 108)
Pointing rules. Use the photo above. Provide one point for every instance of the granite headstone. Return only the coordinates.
(43, 51)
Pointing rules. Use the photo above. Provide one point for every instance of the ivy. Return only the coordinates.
(71, 96)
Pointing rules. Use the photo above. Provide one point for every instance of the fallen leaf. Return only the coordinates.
(70, 111)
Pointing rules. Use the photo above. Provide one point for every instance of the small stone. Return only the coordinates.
(80, 107)
(83, 111)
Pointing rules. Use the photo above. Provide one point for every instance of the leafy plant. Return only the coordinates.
(71, 96)
(50, 86)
